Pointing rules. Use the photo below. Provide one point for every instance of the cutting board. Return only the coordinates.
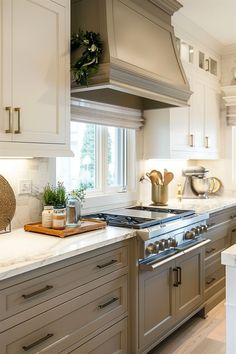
(86, 225)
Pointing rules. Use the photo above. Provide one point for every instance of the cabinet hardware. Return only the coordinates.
(208, 65)
(27, 296)
(114, 299)
(9, 130)
(179, 275)
(37, 342)
(210, 281)
(104, 265)
(210, 251)
(234, 230)
(191, 143)
(206, 142)
(176, 283)
(17, 109)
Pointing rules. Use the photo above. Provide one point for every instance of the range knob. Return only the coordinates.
(150, 248)
(204, 228)
(173, 242)
(197, 230)
(189, 235)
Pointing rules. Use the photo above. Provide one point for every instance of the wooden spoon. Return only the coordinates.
(168, 176)
(158, 176)
(153, 178)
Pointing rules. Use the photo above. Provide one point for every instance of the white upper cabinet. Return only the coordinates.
(35, 104)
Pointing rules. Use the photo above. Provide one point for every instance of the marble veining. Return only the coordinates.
(22, 251)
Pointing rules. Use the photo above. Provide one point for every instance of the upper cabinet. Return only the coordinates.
(34, 101)
(188, 132)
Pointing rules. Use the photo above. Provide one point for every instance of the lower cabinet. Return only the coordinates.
(89, 317)
(169, 294)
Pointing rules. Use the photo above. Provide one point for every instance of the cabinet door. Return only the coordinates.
(198, 116)
(39, 67)
(5, 71)
(156, 303)
(189, 293)
(212, 112)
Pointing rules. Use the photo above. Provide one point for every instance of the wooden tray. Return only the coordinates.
(86, 225)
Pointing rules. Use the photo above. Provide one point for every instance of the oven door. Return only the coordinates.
(170, 290)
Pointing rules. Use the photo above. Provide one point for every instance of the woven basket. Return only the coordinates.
(7, 203)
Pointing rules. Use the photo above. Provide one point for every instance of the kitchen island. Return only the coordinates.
(228, 258)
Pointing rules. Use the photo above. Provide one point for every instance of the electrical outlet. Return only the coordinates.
(25, 186)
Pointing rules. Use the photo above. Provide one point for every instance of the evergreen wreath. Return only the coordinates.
(87, 64)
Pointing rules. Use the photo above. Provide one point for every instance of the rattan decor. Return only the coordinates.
(7, 203)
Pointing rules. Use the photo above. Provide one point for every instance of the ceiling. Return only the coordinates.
(217, 17)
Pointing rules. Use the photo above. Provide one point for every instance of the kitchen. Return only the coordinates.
(160, 144)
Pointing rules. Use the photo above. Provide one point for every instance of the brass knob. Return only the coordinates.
(189, 235)
(150, 248)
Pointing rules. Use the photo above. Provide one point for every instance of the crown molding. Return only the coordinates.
(169, 6)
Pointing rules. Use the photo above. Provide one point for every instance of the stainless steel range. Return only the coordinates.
(162, 232)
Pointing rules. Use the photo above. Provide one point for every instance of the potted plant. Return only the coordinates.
(54, 200)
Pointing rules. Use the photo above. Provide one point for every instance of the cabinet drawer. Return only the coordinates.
(111, 341)
(214, 283)
(221, 217)
(218, 245)
(64, 325)
(213, 264)
(28, 294)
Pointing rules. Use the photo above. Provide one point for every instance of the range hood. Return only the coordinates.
(140, 67)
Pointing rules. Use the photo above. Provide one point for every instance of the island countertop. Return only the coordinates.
(22, 251)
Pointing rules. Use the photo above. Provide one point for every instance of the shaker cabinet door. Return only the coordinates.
(39, 51)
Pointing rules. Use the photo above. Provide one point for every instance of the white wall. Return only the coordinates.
(40, 171)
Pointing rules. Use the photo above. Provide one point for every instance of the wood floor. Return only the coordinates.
(198, 336)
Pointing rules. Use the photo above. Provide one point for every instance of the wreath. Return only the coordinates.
(87, 64)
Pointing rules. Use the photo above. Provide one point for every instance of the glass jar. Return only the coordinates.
(59, 218)
(47, 215)
(73, 211)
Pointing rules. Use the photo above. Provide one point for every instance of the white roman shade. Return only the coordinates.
(230, 103)
(105, 114)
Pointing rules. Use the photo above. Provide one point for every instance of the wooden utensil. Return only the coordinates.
(153, 178)
(168, 176)
(158, 176)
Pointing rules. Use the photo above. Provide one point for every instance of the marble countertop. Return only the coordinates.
(228, 256)
(22, 251)
(209, 205)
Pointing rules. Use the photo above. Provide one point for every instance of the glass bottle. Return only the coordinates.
(59, 218)
(73, 211)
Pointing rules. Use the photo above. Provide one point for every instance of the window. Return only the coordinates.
(101, 155)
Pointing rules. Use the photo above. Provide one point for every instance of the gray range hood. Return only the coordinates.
(140, 67)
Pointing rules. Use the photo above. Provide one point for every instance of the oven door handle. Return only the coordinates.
(150, 266)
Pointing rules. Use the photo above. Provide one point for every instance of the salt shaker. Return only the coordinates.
(73, 211)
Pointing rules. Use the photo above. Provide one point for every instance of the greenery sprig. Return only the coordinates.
(87, 64)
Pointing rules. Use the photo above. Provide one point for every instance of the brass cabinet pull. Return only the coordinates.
(9, 130)
(114, 299)
(17, 109)
(191, 144)
(104, 265)
(176, 283)
(208, 65)
(37, 292)
(37, 342)
(179, 275)
(210, 281)
(206, 142)
(210, 251)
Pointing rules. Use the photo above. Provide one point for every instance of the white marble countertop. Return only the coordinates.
(209, 205)
(228, 256)
(22, 251)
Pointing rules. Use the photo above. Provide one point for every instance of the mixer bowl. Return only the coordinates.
(201, 186)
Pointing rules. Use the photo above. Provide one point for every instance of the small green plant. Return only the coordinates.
(48, 195)
(80, 193)
(55, 196)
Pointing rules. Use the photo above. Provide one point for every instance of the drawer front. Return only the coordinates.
(222, 216)
(28, 294)
(218, 245)
(214, 283)
(111, 341)
(60, 327)
(213, 264)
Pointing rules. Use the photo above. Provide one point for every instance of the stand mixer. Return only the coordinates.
(196, 183)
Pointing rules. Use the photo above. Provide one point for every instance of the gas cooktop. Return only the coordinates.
(139, 217)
